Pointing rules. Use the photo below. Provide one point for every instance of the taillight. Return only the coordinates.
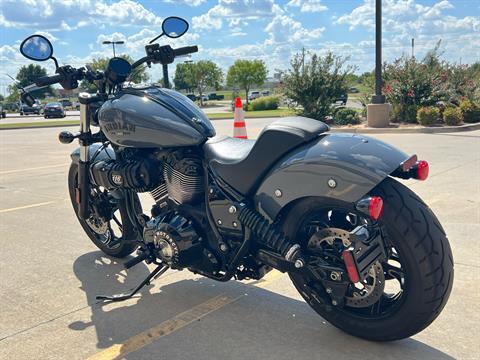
(376, 207)
(351, 267)
(421, 170)
(371, 206)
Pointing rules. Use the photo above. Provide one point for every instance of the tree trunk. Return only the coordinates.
(200, 94)
(246, 96)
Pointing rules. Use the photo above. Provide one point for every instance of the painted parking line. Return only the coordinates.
(27, 206)
(32, 169)
(177, 322)
(165, 328)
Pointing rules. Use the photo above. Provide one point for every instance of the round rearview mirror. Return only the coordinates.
(174, 27)
(37, 47)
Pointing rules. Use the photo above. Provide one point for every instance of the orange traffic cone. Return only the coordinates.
(239, 129)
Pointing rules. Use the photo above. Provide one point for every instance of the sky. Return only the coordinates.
(227, 30)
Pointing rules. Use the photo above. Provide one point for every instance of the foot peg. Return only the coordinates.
(121, 297)
(132, 262)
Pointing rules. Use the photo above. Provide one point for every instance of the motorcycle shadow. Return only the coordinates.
(260, 324)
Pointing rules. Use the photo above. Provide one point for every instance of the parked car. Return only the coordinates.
(3, 113)
(353, 90)
(342, 99)
(204, 98)
(34, 109)
(252, 95)
(266, 93)
(66, 103)
(192, 97)
(214, 96)
(53, 109)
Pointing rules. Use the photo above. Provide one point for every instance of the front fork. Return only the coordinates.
(83, 189)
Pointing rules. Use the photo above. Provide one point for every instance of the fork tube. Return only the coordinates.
(84, 163)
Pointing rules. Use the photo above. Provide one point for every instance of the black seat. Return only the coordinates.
(243, 163)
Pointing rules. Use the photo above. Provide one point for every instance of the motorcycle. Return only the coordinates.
(364, 251)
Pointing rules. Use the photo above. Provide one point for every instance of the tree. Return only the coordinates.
(138, 75)
(314, 82)
(28, 74)
(246, 73)
(13, 94)
(204, 74)
(183, 77)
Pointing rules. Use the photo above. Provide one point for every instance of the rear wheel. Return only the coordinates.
(109, 226)
(401, 295)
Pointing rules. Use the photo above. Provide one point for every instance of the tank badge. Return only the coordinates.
(119, 129)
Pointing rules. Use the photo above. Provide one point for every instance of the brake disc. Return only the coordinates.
(98, 225)
(361, 294)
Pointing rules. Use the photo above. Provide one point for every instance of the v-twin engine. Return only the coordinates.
(178, 177)
(183, 179)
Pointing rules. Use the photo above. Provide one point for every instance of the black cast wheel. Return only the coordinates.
(109, 227)
(401, 295)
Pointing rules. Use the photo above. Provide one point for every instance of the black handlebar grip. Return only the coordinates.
(185, 50)
(48, 80)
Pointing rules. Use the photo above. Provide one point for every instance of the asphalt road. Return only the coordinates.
(50, 274)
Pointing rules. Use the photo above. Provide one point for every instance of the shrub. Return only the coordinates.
(428, 115)
(404, 112)
(452, 115)
(314, 82)
(265, 103)
(425, 82)
(471, 113)
(346, 116)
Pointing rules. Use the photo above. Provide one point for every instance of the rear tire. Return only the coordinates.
(127, 244)
(425, 254)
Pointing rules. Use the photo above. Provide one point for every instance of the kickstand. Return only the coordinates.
(120, 297)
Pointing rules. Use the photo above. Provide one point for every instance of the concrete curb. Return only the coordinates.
(417, 130)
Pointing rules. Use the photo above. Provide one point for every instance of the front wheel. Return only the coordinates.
(109, 226)
(401, 295)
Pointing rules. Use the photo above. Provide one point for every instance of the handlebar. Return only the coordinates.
(68, 77)
(185, 50)
(48, 80)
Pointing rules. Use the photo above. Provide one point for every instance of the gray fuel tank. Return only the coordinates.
(153, 117)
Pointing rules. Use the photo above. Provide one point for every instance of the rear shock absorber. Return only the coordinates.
(270, 236)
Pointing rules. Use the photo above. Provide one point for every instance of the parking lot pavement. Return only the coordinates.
(50, 274)
(17, 118)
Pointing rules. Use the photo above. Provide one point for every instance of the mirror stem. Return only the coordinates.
(152, 41)
(56, 62)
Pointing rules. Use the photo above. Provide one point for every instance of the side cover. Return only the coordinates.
(340, 166)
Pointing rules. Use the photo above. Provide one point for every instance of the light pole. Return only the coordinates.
(113, 43)
(378, 111)
(378, 98)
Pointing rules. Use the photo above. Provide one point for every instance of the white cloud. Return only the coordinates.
(71, 14)
(186, 2)
(308, 5)
(235, 10)
(283, 29)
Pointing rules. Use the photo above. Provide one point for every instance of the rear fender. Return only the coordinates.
(339, 166)
(96, 152)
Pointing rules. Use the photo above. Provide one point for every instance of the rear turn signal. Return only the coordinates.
(421, 170)
(371, 206)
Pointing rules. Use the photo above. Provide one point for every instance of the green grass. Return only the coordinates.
(254, 114)
(214, 116)
(39, 124)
